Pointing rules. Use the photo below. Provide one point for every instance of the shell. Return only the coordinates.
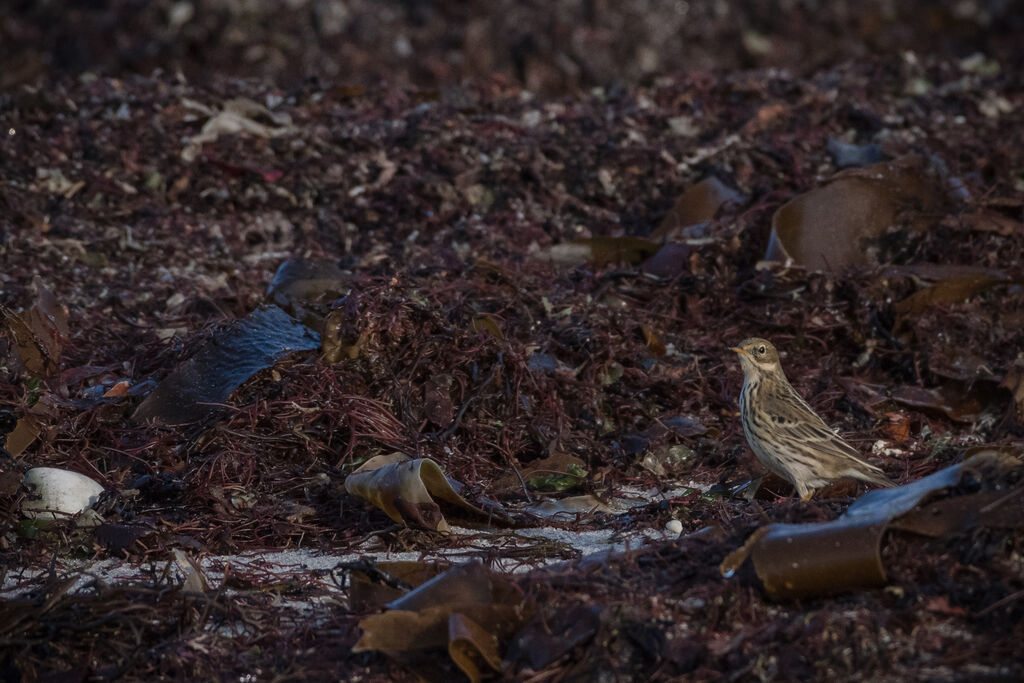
(57, 493)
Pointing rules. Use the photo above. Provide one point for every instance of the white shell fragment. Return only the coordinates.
(56, 493)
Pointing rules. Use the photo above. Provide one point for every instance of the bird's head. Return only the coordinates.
(758, 357)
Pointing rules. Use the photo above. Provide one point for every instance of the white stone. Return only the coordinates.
(55, 493)
(674, 526)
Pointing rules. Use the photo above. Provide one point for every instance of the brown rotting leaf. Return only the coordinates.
(405, 489)
(601, 251)
(698, 204)
(465, 609)
(950, 291)
(40, 332)
(829, 227)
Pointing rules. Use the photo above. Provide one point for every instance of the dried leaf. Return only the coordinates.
(337, 345)
(118, 390)
(405, 489)
(300, 282)
(601, 251)
(865, 395)
(472, 647)
(1014, 383)
(488, 325)
(826, 228)
(570, 507)
(954, 362)
(53, 181)
(699, 203)
(653, 341)
(668, 461)
(464, 585)
(300, 279)
(953, 399)
(400, 630)
(990, 509)
(26, 431)
(985, 220)
(949, 291)
(238, 116)
(368, 590)
(766, 117)
(936, 272)
(39, 333)
(940, 605)
(466, 609)
(685, 425)
(558, 472)
(195, 577)
(896, 427)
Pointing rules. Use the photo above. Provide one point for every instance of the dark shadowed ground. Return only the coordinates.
(463, 178)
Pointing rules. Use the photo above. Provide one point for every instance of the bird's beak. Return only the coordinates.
(738, 350)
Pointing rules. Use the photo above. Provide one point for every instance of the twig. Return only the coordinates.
(1001, 602)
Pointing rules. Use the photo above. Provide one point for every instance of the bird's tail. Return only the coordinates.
(872, 474)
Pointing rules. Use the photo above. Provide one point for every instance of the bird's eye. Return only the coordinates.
(761, 350)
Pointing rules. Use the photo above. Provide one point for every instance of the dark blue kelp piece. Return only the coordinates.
(306, 280)
(804, 560)
(241, 349)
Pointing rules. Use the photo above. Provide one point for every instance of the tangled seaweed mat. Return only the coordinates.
(468, 611)
(803, 560)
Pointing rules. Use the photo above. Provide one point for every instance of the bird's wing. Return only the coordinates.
(796, 421)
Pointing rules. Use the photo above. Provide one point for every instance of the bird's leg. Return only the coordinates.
(805, 493)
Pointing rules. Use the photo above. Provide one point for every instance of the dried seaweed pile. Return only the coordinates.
(550, 48)
(507, 284)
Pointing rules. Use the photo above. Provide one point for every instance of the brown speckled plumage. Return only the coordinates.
(785, 433)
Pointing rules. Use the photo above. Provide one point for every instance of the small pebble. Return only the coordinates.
(674, 527)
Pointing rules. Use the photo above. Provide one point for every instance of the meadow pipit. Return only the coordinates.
(785, 433)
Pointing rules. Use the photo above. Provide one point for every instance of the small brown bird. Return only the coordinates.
(785, 433)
